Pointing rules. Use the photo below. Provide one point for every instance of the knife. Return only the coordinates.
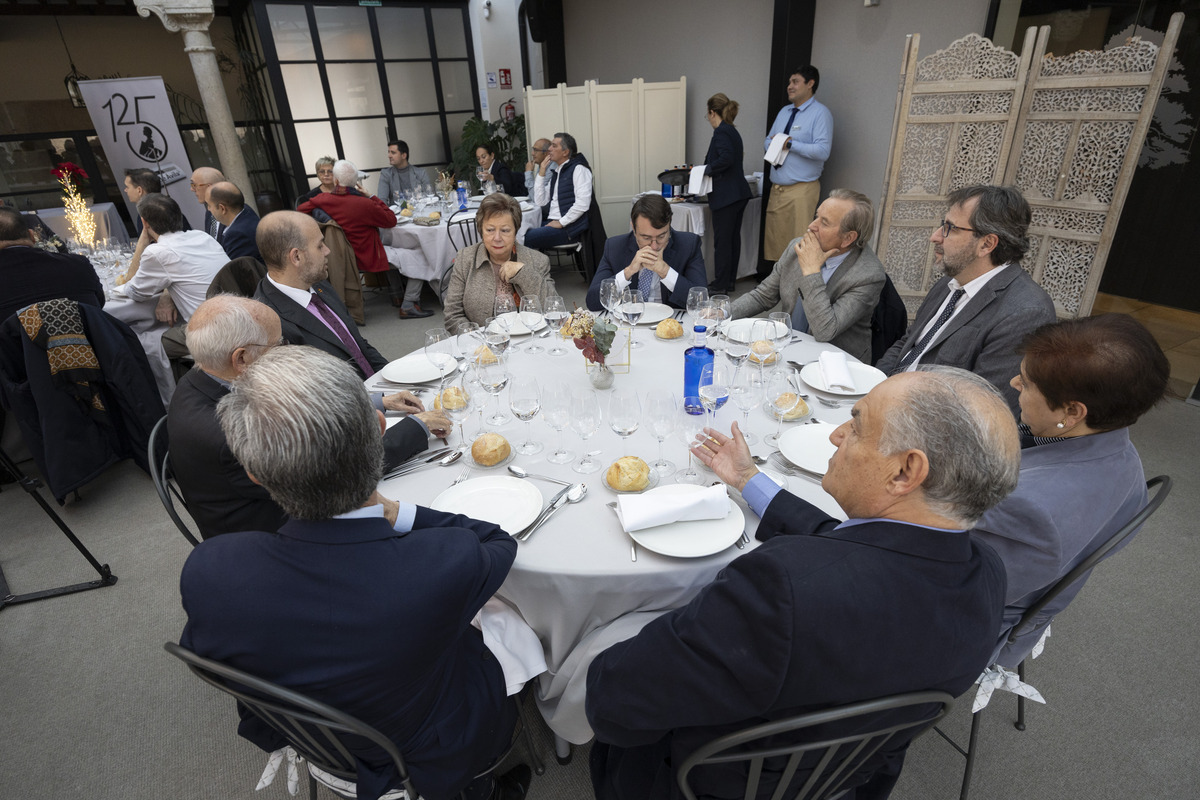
(424, 458)
(554, 503)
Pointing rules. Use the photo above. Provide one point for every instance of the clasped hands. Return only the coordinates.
(647, 258)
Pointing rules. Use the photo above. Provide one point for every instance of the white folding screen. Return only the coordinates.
(628, 132)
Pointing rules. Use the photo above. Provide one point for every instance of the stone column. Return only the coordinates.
(192, 18)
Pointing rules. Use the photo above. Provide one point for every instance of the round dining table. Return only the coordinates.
(574, 580)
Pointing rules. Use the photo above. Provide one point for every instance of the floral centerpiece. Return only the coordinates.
(79, 216)
(595, 338)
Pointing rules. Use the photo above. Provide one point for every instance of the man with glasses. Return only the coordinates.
(977, 314)
(541, 151)
(226, 335)
(660, 263)
(203, 179)
(564, 196)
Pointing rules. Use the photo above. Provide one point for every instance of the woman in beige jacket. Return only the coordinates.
(496, 265)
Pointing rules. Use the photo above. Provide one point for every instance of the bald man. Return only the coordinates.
(203, 179)
(237, 221)
(226, 335)
(541, 149)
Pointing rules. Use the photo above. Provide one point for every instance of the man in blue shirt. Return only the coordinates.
(796, 184)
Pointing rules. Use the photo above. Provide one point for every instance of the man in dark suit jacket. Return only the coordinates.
(653, 258)
(30, 274)
(203, 179)
(239, 222)
(226, 335)
(358, 601)
(976, 315)
(294, 251)
(898, 599)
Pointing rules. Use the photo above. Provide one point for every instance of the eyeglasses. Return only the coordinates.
(541, 149)
(194, 184)
(280, 342)
(660, 239)
(947, 227)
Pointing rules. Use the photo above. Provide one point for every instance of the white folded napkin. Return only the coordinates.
(641, 511)
(513, 643)
(776, 152)
(834, 370)
(698, 182)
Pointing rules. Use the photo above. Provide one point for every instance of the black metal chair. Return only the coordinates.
(461, 229)
(1163, 482)
(164, 481)
(314, 729)
(838, 757)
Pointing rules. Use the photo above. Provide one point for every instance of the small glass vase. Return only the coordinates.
(600, 376)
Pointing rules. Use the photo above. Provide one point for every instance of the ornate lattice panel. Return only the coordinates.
(1066, 130)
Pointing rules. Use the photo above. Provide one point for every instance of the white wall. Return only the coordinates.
(717, 45)
(858, 51)
(497, 41)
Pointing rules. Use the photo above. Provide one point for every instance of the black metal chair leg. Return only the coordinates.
(539, 768)
(966, 783)
(1020, 723)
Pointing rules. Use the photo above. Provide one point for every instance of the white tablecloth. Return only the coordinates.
(573, 581)
(424, 252)
(109, 224)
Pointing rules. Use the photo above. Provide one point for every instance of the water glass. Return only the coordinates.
(531, 318)
(746, 394)
(458, 406)
(782, 392)
(689, 426)
(610, 296)
(439, 351)
(630, 308)
(493, 378)
(697, 296)
(556, 411)
(585, 421)
(524, 400)
(555, 315)
(783, 328)
(624, 414)
(495, 335)
(661, 413)
(504, 310)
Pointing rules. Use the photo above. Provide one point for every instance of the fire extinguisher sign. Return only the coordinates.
(506, 79)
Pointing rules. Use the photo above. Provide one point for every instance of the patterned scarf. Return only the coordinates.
(57, 327)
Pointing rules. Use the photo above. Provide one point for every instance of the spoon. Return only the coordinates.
(444, 461)
(520, 472)
(574, 495)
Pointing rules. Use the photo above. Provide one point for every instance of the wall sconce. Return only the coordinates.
(487, 9)
(73, 77)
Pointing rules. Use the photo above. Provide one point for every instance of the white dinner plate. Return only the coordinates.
(808, 447)
(417, 368)
(654, 313)
(476, 198)
(693, 538)
(527, 206)
(739, 329)
(511, 503)
(865, 378)
(402, 220)
(517, 326)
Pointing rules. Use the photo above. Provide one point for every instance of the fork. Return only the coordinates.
(632, 544)
(462, 476)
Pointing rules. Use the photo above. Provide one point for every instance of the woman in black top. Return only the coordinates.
(730, 192)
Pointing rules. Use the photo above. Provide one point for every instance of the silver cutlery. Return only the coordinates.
(462, 476)
(521, 472)
(780, 463)
(545, 333)
(829, 403)
(632, 543)
(421, 459)
(742, 542)
(444, 461)
(572, 494)
(521, 536)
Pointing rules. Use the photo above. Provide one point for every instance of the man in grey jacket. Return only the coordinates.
(829, 279)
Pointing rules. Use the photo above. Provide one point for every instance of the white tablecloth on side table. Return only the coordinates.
(424, 251)
(109, 224)
(573, 581)
(697, 218)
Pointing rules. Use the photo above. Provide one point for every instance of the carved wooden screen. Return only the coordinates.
(1066, 130)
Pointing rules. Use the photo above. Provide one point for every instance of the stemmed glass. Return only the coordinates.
(531, 316)
(631, 307)
(523, 399)
(696, 298)
(504, 310)
(714, 389)
(661, 412)
(762, 332)
(746, 394)
(439, 351)
(495, 336)
(610, 296)
(720, 310)
(458, 404)
(556, 411)
(585, 420)
(783, 329)
(493, 378)
(737, 350)
(689, 427)
(555, 315)
(783, 396)
(624, 413)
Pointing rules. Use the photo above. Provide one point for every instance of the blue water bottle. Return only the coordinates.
(667, 191)
(462, 195)
(694, 360)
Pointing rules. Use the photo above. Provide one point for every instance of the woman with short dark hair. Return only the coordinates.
(494, 170)
(1082, 383)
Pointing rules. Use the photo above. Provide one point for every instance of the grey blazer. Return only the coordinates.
(471, 294)
(983, 337)
(838, 312)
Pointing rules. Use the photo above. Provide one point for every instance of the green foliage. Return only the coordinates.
(508, 139)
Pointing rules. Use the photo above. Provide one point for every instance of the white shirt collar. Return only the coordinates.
(301, 296)
(972, 287)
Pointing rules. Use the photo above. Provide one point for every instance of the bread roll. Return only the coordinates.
(629, 474)
(763, 352)
(407, 212)
(669, 329)
(452, 398)
(785, 400)
(490, 449)
(484, 355)
(435, 215)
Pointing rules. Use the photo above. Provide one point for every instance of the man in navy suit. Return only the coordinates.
(358, 601)
(898, 599)
(204, 178)
(661, 263)
(239, 223)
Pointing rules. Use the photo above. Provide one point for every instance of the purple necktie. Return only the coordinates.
(937, 326)
(317, 305)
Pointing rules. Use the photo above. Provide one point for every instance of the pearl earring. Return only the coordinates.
(1060, 425)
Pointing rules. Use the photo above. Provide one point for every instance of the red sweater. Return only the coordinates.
(359, 217)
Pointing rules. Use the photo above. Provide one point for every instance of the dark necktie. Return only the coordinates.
(331, 319)
(915, 353)
(645, 284)
(787, 129)
(214, 228)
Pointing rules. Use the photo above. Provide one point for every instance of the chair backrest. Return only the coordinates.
(240, 276)
(164, 482)
(1163, 482)
(461, 229)
(836, 759)
(889, 320)
(316, 731)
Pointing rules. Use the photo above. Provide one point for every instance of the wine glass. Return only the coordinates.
(610, 296)
(495, 335)
(746, 394)
(697, 296)
(624, 413)
(524, 400)
(493, 378)
(762, 344)
(585, 420)
(714, 389)
(689, 426)
(721, 309)
(631, 307)
(783, 329)
(531, 317)
(781, 392)
(661, 412)
(439, 351)
(556, 411)
(555, 315)
(504, 310)
(737, 348)
(459, 403)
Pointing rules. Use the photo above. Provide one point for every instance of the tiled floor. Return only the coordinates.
(1177, 332)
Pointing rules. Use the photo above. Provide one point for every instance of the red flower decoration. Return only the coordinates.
(66, 169)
